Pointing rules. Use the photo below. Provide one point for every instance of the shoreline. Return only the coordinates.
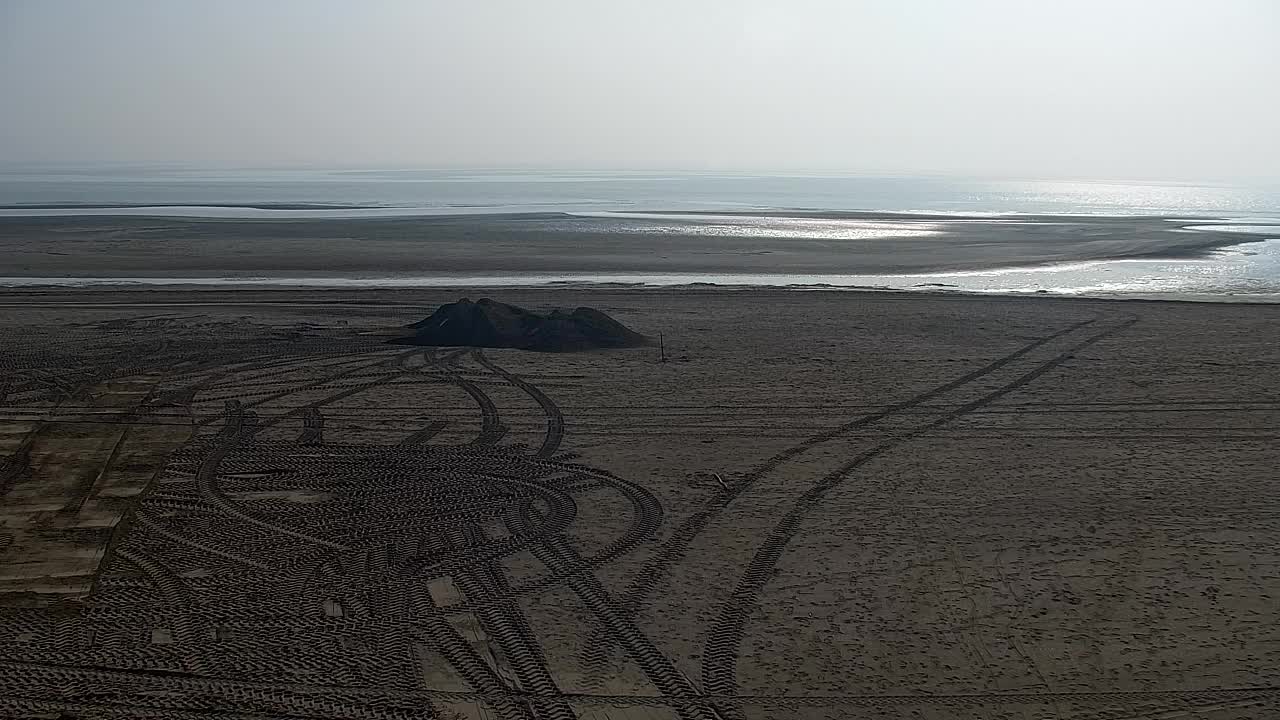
(1061, 255)
(297, 212)
(179, 295)
(862, 243)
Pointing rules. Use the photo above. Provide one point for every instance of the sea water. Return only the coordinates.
(580, 191)
(1249, 271)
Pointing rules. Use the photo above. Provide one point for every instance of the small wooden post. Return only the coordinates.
(662, 349)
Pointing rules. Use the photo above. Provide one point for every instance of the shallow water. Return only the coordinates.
(647, 203)
(1249, 272)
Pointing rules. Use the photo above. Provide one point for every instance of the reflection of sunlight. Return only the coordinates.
(1250, 275)
(791, 228)
(1164, 198)
(1245, 271)
(1250, 229)
(997, 272)
(749, 226)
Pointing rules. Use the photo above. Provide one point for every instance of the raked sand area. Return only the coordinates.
(823, 505)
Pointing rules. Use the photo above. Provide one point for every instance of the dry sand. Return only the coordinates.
(865, 244)
(826, 505)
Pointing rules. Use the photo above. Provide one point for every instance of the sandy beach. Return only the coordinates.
(610, 361)
(823, 505)
(796, 242)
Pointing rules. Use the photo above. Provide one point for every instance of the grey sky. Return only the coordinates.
(1155, 89)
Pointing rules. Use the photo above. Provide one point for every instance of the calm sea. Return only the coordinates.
(415, 191)
(1248, 271)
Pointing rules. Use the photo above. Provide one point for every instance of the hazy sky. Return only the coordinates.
(1154, 89)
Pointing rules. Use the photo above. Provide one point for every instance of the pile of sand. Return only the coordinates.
(488, 323)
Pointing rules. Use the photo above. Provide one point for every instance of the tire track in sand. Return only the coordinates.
(649, 578)
(720, 653)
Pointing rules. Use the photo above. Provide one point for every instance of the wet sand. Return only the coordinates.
(800, 243)
(824, 505)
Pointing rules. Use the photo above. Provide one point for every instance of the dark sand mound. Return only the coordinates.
(488, 323)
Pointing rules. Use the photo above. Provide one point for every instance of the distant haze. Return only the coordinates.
(1091, 89)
